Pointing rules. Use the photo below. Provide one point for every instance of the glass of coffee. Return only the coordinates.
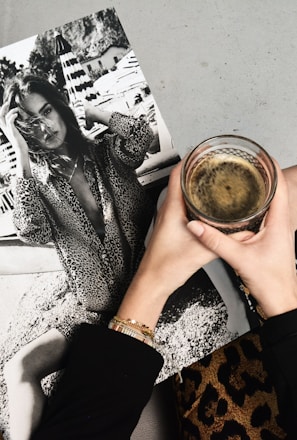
(228, 182)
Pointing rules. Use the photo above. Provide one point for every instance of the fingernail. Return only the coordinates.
(196, 227)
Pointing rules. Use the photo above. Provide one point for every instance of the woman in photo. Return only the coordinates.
(84, 197)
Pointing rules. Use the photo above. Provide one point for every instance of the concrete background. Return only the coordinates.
(213, 66)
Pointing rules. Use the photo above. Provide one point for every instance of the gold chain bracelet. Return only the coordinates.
(126, 329)
(144, 329)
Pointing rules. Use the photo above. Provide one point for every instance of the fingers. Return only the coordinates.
(279, 209)
(174, 188)
(224, 246)
(3, 112)
(7, 117)
(4, 108)
(174, 198)
(231, 248)
(11, 116)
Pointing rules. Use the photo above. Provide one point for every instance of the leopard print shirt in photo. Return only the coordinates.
(47, 210)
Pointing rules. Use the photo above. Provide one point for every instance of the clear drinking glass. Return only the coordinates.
(228, 182)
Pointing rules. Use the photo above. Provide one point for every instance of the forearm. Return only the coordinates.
(172, 256)
(29, 215)
(144, 300)
(98, 115)
(279, 341)
(23, 167)
(277, 304)
(134, 138)
(108, 379)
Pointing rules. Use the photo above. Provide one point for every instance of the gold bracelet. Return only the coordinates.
(144, 329)
(127, 330)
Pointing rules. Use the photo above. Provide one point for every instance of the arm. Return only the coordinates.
(20, 146)
(107, 382)
(172, 256)
(134, 135)
(279, 341)
(29, 215)
(94, 114)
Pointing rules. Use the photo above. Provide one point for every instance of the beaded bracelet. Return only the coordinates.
(135, 324)
(130, 331)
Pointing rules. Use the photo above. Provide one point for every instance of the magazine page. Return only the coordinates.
(64, 244)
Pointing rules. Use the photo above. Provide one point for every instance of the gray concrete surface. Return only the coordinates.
(213, 66)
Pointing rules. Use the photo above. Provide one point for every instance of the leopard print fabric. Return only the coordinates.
(229, 395)
(47, 210)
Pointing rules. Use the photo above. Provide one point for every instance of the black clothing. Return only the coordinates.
(110, 377)
(108, 380)
(279, 341)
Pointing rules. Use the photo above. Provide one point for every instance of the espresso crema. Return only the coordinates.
(226, 187)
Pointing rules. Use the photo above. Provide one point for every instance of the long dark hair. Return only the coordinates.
(22, 85)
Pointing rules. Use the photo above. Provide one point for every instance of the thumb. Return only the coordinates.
(216, 241)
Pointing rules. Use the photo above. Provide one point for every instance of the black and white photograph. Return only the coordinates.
(73, 218)
(85, 158)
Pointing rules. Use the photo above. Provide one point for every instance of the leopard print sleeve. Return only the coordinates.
(29, 216)
(134, 137)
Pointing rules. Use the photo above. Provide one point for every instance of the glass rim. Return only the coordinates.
(221, 222)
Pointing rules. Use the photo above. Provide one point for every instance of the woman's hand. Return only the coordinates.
(94, 114)
(7, 125)
(265, 261)
(18, 143)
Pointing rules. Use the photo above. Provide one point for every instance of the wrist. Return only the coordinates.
(132, 328)
(23, 168)
(144, 300)
(97, 115)
(277, 304)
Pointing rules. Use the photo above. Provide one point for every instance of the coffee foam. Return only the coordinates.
(226, 187)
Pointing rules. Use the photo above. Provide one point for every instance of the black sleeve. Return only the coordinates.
(279, 341)
(107, 382)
